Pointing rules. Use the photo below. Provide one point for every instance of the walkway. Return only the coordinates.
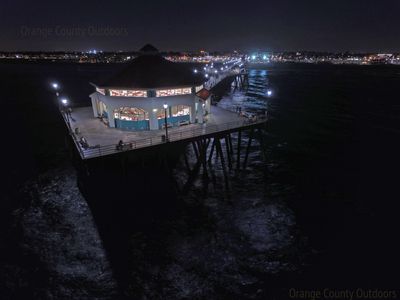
(102, 140)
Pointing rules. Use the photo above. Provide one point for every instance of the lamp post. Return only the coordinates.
(165, 120)
(64, 101)
(56, 87)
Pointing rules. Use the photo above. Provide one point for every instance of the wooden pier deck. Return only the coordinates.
(103, 140)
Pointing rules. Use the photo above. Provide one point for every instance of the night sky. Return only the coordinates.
(323, 25)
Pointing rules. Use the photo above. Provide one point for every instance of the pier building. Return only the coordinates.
(150, 91)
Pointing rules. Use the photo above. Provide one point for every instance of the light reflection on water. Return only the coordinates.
(252, 99)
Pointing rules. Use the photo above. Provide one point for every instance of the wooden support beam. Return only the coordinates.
(211, 151)
(228, 152)
(205, 147)
(238, 150)
(186, 161)
(203, 155)
(196, 152)
(262, 143)
(208, 140)
(219, 150)
(230, 144)
(248, 148)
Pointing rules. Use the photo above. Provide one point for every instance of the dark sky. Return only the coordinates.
(323, 25)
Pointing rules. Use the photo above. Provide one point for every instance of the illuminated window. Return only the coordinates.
(198, 88)
(173, 92)
(180, 110)
(174, 111)
(131, 114)
(128, 93)
(101, 91)
(161, 114)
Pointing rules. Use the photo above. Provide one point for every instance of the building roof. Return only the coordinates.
(203, 94)
(148, 48)
(151, 70)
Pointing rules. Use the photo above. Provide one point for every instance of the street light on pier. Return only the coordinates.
(64, 102)
(165, 120)
(56, 87)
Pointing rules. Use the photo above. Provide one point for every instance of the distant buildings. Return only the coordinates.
(202, 56)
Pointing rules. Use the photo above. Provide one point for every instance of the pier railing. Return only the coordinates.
(214, 81)
(97, 151)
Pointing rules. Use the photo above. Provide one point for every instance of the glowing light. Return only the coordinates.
(154, 109)
(269, 93)
(55, 85)
(216, 71)
(253, 57)
(64, 101)
(206, 75)
(165, 105)
(195, 70)
(264, 57)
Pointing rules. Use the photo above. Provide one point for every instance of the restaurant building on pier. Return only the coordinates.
(150, 87)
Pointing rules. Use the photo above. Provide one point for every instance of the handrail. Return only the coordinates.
(225, 74)
(93, 152)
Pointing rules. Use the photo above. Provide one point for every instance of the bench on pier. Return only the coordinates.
(124, 146)
(181, 123)
(168, 125)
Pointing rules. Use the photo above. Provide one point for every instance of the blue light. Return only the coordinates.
(264, 57)
(253, 57)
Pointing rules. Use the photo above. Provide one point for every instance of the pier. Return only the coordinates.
(96, 137)
(130, 177)
(190, 119)
(102, 141)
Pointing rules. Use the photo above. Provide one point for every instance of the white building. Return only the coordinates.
(134, 99)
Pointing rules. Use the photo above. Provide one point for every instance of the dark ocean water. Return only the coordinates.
(320, 211)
